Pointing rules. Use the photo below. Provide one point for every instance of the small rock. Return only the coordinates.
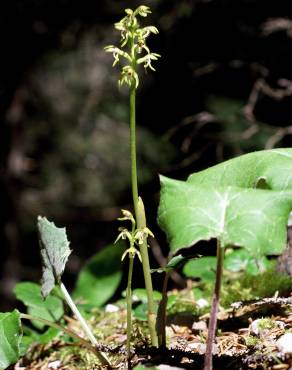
(167, 367)
(284, 343)
(262, 326)
(111, 308)
(54, 365)
(199, 326)
(254, 327)
(202, 303)
(201, 348)
(18, 367)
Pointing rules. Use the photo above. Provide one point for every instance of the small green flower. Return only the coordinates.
(132, 251)
(142, 10)
(124, 234)
(134, 237)
(142, 234)
(127, 215)
(116, 53)
(129, 76)
(147, 59)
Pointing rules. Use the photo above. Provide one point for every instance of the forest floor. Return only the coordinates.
(250, 336)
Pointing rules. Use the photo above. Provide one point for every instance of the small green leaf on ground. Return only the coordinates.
(54, 253)
(141, 311)
(174, 263)
(10, 338)
(101, 276)
(50, 308)
(203, 268)
(140, 294)
(241, 260)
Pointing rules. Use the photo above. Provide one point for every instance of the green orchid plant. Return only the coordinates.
(133, 51)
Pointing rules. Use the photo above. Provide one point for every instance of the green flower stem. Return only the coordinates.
(71, 333)
(141, 223)
(141, 219)
(129, 305)
(215, 305)
(133, 145)
(103, 358)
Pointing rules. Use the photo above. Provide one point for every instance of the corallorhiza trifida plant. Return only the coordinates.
(133, 52)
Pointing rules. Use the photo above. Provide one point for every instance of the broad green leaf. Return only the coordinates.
(203, 268)
(54, 253)
(10, 338)
(101, 276)
(235, 261)
(268, 169)
(50, 308)
(252, 218)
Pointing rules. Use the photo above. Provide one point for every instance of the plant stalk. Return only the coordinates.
(208, 362)
(129, 306)
(71, 333)
(103, 358)
(134, 177)
(141, 223)
(161, 316)
(141, 218)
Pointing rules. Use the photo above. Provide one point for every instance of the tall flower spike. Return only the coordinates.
(133, 40)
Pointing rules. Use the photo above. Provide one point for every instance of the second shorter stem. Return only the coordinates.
(129, 306)
(141, 224)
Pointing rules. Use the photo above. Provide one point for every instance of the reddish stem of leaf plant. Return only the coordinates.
(208, 363)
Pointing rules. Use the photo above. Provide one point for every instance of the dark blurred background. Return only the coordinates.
(222, 88)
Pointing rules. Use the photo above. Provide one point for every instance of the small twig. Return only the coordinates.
(200, 119)
(261, 86)
(162, 261)
(278, 136)
(276, 25)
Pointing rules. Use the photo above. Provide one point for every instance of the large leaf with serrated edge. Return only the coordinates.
(252, 218)
(10, 338)
(54, 253)
(268, 169)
